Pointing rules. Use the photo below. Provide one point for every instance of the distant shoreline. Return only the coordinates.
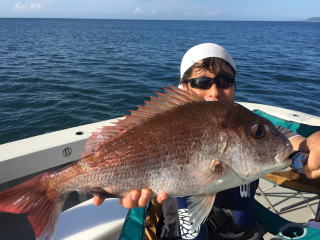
(313, 19)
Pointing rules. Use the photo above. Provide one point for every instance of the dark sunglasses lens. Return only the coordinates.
(201, 83)
(224, 81)
(206, 83)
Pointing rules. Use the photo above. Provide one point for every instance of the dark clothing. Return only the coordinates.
(222, 223)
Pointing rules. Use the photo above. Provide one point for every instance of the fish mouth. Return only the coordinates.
(282, 157)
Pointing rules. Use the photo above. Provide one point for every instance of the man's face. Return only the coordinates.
(213, 93)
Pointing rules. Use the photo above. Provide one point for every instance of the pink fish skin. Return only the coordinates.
(177, 143)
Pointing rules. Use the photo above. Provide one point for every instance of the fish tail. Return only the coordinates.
(33, 198)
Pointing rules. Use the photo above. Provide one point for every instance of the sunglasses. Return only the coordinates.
(224, 81)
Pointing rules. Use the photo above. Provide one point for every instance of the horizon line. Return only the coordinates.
(132, 19)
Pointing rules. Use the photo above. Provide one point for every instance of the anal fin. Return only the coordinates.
(199, 209)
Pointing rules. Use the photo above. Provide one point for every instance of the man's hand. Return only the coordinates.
(309, 145)
(312, 169)
(135, 198)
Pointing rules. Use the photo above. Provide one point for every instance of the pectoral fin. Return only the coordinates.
(199, 209)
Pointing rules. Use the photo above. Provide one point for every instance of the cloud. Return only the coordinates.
(200, 11)
(27, 7)
(138, 10)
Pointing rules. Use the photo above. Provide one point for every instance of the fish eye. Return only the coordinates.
(258, 131)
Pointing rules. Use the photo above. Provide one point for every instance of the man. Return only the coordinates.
(209, 71)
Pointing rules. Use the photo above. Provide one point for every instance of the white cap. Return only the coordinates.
(203, 51)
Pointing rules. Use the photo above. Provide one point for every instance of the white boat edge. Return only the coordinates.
(34, 154)
(27, 156)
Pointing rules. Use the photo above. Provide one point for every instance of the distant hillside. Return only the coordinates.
(313, 19)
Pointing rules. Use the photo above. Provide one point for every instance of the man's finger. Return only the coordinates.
(145, 197)
(97, 199)
(161, 197)
(131, 199)
(313, 174)
(313, 161)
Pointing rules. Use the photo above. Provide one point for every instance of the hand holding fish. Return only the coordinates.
(310, 145)
(135, 198)
(312, 169)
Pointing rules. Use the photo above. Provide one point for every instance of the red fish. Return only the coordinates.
(177, 143)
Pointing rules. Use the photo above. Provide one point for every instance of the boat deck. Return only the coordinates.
(281, 197)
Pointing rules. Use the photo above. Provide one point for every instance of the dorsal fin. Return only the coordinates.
(173, 98)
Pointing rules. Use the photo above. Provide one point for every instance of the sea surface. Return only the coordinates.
(61, 73)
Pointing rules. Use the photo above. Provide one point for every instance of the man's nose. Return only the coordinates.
(212, 93)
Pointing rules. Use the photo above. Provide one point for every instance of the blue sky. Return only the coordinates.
(282, 10)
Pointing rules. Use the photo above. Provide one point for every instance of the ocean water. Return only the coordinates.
(61, 73)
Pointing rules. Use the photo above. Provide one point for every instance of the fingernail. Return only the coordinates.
(134, 197)
(144, 194)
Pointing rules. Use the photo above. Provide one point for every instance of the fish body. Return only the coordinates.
(177, 143)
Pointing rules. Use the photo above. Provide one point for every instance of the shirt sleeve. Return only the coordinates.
(286, 132)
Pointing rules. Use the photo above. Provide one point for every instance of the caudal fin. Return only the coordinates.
(33, 198)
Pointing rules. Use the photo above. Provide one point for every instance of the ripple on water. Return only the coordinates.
(56, 73)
